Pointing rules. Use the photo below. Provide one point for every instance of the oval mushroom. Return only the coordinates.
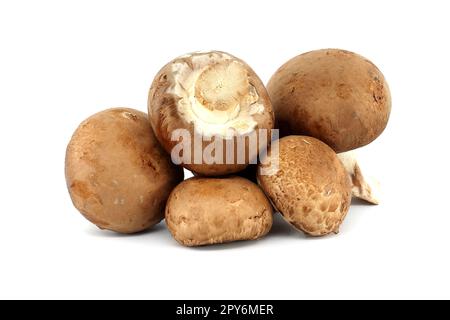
(204, 211)
(311, 188)
(117, 174)
(336, 96)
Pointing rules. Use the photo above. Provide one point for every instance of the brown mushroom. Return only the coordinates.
(118, 176)
(336, 96)
(311, 188)
(204, 211)
(217, 97)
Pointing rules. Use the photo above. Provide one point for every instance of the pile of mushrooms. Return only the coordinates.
(124, 168)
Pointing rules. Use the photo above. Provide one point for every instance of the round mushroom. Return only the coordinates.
(336, 96)
(117, 174)
(203, 211)
(217, 98)
(311, 188)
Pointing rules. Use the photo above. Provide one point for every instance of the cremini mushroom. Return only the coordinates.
(311, 188)
(217, 97)
(203, 211)
(336, 96)
(117, 174)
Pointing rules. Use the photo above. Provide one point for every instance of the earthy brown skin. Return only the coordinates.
(162, 109)
(117, 174)
(336, 96)
(311, 190)
(204, 211)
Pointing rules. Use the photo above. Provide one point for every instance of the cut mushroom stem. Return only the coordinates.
(364, 188)
(224, 87)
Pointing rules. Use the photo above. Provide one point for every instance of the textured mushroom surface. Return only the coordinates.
(311, 188)
(213, 95)
(203, 211)
(364, 188)
(336, 96)
(117, 174)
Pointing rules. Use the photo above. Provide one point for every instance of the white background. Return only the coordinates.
(61, 61)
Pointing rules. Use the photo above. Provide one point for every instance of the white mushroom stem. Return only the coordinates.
(215, 94)
(365, 188)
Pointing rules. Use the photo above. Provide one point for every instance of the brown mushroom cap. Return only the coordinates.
(209, 93)
(203, 211)
(118, 176)
(311, 189)
(336, 96)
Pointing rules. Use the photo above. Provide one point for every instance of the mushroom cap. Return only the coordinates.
(117, 174)
(203, 211)
(311, 188)
(211, 94)
(336, 96)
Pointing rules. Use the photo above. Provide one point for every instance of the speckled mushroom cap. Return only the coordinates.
(311, 189)
(203, 211)
(117, 174)
(336, 96)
